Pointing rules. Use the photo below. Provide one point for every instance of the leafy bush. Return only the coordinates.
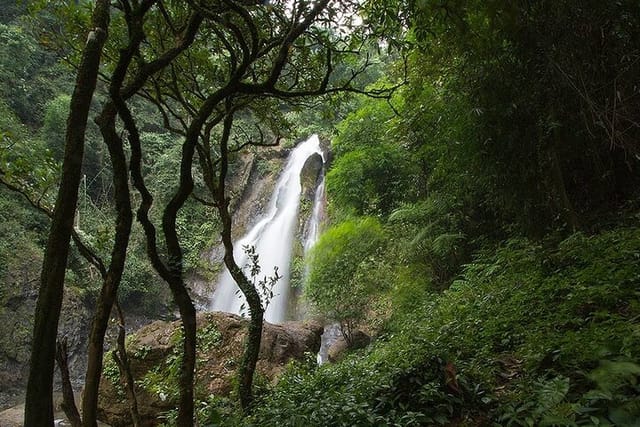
(340, 283)
(371, 181)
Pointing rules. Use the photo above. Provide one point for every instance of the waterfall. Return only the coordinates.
(317, 215)
(272, 237)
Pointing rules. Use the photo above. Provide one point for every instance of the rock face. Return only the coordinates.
(16, 317)
(310, 178)
(309, 175)
(154, 351)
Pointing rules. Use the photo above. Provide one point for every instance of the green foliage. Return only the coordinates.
(297, 273)
(217, 411)
(141, 290)
(209, 337)
(536, 334)
(199, 228)
(54, 125)
(25, 163)
(111, 372)
(162, 380)
(22, 235)
(366, 127)
(506, 106)
(371, 181)
(373, 172)
(341, 278)
(433, 236)
(10, 9)
(27, 73)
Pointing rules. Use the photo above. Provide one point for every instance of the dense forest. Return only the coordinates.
(480, 252)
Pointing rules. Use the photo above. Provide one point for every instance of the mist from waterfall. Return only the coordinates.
(272, 237)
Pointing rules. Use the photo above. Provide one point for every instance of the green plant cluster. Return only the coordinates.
(340, 284)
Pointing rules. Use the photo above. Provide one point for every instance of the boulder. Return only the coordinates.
(311, 171)
(154, 352)
(340, 347)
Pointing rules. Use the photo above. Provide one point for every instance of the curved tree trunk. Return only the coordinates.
(119, 93)
(39, 404)
(256, 321)
(111, 281)
(172, 270)
(256, 311)
(68, 404)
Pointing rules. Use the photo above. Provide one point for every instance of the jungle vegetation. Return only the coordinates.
(483, 194)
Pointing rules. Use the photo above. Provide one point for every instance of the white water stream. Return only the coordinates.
(272, 236)
(319, 203)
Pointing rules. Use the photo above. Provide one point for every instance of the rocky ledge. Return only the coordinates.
(154, 351)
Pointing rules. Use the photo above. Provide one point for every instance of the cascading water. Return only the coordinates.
(313, 231)
(272, 238)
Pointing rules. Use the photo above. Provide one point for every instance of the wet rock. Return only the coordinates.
(309, 176)
(340, 347)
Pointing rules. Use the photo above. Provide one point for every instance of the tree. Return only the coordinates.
(23, 68)
(119, 91)
(372, 180)
(39, 405)
(133, 17)
(266, 53)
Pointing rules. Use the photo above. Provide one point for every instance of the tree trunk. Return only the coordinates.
(39, 403)
(112, 279)
(187, 369)
(254, 337)
(126, 376)
(119, 93)
(69, 402)
(256, 311)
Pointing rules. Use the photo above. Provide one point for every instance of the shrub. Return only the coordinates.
(340, 283)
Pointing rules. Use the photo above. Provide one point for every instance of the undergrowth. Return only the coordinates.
(530, 334)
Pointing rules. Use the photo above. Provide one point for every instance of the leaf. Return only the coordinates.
(551, 394)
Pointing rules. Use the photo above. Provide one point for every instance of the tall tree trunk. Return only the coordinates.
(126, 376)
(187, 369)
(39, 402)
(173, 274)
(119, 93)
(256, 311)
(108, 293)
(254, 337)
(172, 270)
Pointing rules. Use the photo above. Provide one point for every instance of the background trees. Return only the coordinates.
(503, 135)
